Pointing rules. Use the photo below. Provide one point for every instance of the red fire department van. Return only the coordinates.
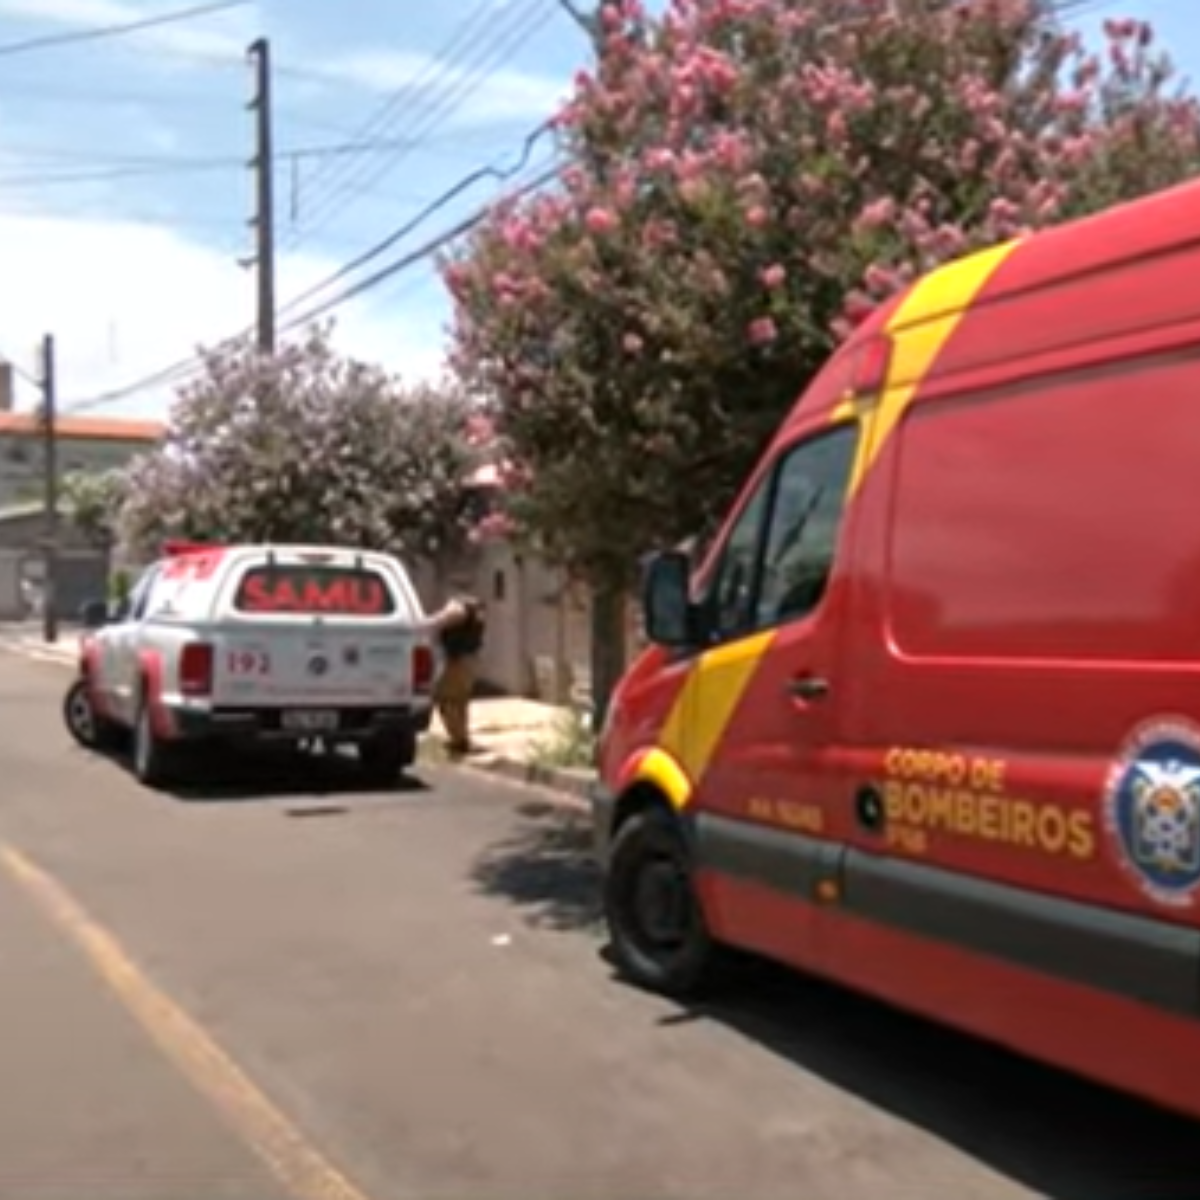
(926, 720)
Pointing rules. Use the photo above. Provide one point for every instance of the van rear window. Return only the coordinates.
(308, 590)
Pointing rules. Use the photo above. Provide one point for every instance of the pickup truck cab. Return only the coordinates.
(235, 645)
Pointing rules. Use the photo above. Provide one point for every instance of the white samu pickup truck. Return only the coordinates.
(232, 645)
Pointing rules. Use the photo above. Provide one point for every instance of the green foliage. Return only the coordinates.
(570, 744)
(120, 584)
(93, 501)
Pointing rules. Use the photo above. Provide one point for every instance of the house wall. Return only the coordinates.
(539, 626)
(21, 459)
(81, 575)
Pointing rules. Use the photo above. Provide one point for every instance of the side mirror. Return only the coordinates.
(666, 600)
(94, 614)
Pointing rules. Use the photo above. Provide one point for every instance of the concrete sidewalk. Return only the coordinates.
(26, 641)
(518, 738)
(510, 725)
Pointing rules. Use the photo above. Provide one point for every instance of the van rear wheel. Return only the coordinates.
(659, 940)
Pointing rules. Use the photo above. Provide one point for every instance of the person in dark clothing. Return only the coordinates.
(461, 632)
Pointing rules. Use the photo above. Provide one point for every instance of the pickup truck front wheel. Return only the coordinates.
(153, 758)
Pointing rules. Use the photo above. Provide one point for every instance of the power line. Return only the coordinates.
(467, 83)
(52, 40)
(441, 62)
(180, 370)
(109, 174)
(382, 247)
(37, 93)
(428, 250)
(102, 168)
(20, 371)
(498, 49)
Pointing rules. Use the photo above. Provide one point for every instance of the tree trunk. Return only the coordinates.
(608, 647)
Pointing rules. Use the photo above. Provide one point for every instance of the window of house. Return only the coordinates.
(779, 555)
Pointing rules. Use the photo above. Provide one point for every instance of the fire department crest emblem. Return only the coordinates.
(1152, 810)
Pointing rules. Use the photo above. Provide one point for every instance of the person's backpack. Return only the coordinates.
(465, 638)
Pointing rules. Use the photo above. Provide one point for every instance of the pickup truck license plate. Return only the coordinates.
(309, 720)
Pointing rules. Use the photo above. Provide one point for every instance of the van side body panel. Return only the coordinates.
(1027, 585)
(1016, 594)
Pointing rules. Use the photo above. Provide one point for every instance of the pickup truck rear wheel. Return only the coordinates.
(153, 758)
(656, 927)
(383, 759)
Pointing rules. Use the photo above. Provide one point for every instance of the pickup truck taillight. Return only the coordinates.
(196, 669)
(422, 668)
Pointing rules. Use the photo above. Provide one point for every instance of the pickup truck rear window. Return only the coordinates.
(308, 590)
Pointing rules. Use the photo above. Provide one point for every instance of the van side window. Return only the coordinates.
(806, 516)
(732, 595)
(779, 553)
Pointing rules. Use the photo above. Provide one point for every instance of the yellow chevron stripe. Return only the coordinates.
(920, 327)
(706, 702)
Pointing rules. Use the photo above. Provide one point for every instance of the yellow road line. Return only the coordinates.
(302, 1170)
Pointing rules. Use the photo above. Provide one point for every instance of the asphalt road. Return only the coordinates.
(271, 990)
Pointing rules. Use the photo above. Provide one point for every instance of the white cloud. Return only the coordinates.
(124, 300)
(502, 95)
(222, 35)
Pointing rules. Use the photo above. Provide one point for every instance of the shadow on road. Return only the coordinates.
(1047, 1131)
(223, 779)
(543, 868)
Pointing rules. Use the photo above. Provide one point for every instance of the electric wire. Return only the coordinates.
(442, 60)
(177, 372)
(118, 29)
(525, 22)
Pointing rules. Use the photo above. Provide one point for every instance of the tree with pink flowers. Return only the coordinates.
(747, 180)
(304, 446)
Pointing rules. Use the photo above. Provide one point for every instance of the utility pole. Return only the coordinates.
(50, 481)
(263, 166)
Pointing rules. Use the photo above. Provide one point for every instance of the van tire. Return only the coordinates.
(681, 963)
(153, 758)
(385, 758)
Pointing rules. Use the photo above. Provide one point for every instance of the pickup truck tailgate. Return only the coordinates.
(313, 665)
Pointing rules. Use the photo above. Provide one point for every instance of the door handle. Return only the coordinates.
(808, 687)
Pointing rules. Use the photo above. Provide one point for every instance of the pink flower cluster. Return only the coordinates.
(752, 178)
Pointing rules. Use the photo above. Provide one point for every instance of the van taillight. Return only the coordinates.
(422, 668)
(196, 669)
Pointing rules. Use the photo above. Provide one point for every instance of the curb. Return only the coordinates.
(574, 784)
(568, 788)
(521, 778)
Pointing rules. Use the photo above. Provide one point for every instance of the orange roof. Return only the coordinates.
(97, 429)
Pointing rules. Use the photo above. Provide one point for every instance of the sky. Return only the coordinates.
(125, 194)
